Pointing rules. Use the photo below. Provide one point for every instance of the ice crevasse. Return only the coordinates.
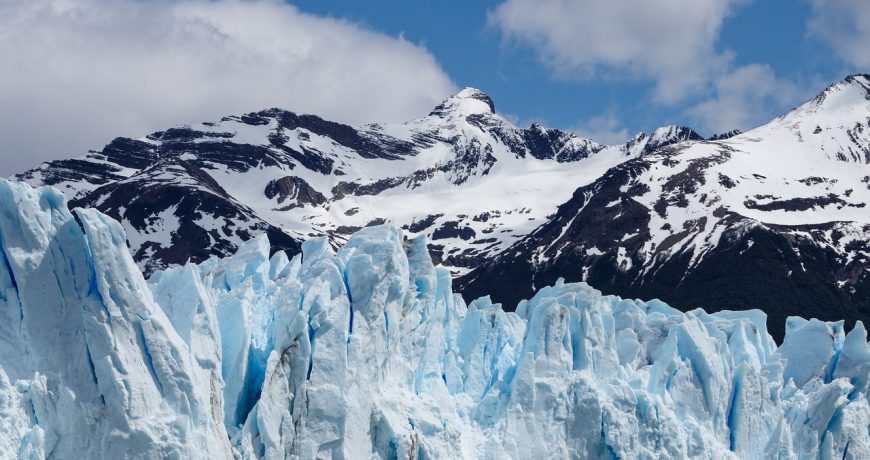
(367, 353)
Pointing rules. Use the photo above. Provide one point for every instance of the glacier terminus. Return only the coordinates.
(366, 352)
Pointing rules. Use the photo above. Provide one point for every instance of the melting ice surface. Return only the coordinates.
(368, 353)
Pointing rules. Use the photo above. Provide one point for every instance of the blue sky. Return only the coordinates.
(78, 74)
(474, 52)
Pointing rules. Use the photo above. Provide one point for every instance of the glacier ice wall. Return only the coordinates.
(90, 365)
(367, 353)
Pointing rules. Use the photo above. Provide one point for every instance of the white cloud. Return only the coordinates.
(605, 128)
(672, 42)
(845, 24)
(744, 98)
(77, 73)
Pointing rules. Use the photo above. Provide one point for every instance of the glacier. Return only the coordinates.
(366, 352)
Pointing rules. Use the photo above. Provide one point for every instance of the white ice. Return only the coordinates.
(367, 353)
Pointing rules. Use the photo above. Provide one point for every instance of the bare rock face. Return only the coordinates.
(294, 189)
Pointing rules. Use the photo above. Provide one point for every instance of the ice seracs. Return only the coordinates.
(91, 365)
(367, 352)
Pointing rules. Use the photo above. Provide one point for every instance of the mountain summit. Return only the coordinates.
(468, 101)
(851, 90)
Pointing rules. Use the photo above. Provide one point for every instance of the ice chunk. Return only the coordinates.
(810, 349)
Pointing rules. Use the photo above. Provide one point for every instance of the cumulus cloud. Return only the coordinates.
(845, 24)
(672, 42)
(605, 128)
(744, 98)
(79, 72)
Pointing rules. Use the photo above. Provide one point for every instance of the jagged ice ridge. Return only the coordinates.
(369, 353)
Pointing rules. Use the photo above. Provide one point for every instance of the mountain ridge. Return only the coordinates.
(461, 116)
(484, 191)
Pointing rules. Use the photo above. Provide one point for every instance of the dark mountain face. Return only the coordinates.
(774, 218)
(784, 270)
(183, 214)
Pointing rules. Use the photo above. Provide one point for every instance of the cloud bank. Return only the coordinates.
(743, 98)
(672, 44)
(77, 73)
(845, 25)
(605, 128)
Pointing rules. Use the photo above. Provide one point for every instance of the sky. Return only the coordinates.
(74, 74)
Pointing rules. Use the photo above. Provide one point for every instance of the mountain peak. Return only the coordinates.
(468, 101)
(643, 143)
(860, 81)
(852, 89)
(674, 133)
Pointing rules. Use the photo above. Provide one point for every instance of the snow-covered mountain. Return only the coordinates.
(462, 175)
(774, 218)
(367, 353)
